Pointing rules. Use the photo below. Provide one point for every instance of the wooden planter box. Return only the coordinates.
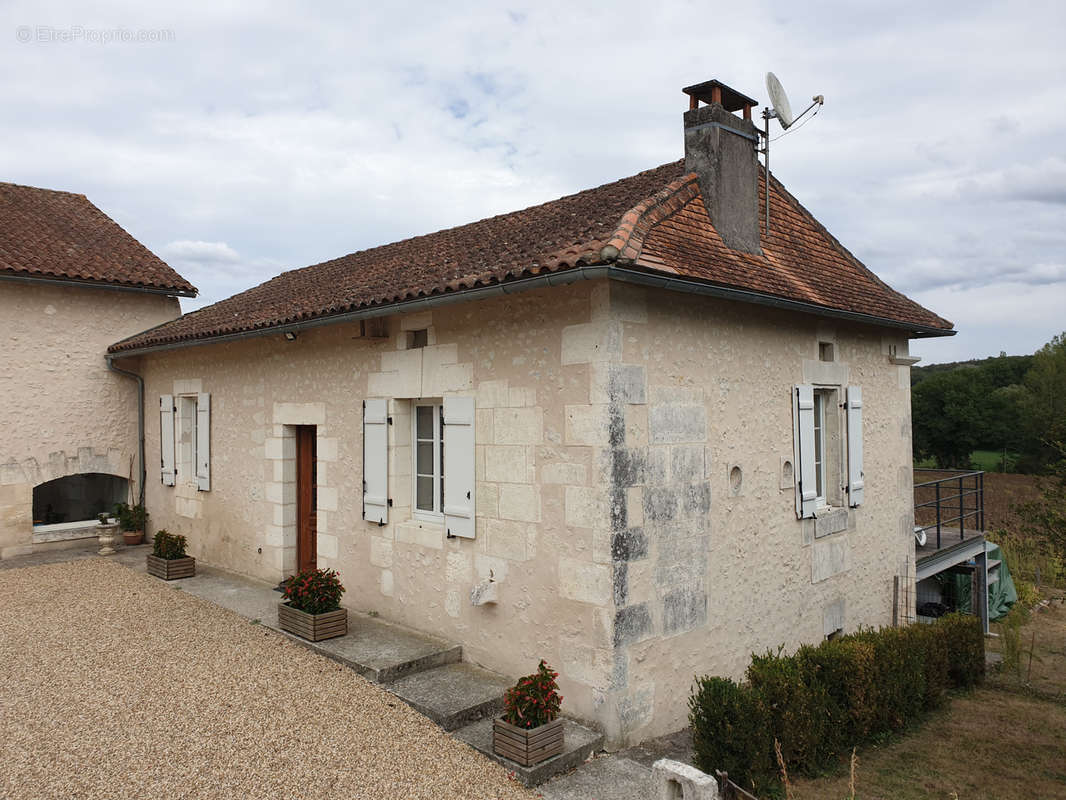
(170, 569)
(527, 746)
(314, 627)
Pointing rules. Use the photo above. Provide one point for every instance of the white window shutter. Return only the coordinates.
(459, 466)
(376, 460)
(856, 479)
(166, 439)
(203, 441)
(803, 421)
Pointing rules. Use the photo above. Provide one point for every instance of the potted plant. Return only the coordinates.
(168, 559)
(132, 520)
(530, 730)
(311, 606)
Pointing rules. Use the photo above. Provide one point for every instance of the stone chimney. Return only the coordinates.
(721, 148)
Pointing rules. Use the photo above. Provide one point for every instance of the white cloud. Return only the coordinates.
(289, 138)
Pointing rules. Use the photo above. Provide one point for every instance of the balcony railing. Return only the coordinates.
(941, 503)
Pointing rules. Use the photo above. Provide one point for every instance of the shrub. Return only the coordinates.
(131, 518)
(966, 645)
(730, 733)
(168, 545)
(824, 700)
(314, 591)
(534, 700)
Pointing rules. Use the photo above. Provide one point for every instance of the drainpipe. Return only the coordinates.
(140, 418)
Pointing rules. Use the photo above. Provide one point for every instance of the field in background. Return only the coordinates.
(988, 460)
(1002, 741)
(1002, 490)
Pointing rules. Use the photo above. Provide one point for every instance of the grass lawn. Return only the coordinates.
(1001, 742)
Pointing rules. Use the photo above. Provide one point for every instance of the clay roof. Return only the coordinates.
(62, 236)
(653, 221)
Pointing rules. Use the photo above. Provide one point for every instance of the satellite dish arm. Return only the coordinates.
(817, 100)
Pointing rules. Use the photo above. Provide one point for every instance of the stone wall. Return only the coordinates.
(631, 497)
(64, 412)
(542, 529)
(710, 561)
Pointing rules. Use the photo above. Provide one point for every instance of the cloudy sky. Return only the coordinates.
(240, 139)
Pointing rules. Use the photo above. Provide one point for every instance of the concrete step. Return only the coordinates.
(579, 743)
(453, 695)
(379, 651)
(382, 651)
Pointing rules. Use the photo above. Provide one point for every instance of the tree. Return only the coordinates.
(1044, 519)
(947, 411)
(1044, 410)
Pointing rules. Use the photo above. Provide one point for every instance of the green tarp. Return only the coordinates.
(956, 587)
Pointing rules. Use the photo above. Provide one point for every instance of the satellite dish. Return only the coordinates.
(779, 100)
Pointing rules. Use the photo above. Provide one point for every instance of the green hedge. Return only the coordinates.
(822, 701)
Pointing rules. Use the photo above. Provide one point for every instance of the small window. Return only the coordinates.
(819, 445)
(826, 351)
(428, 467)
(186, 437)
(419, 338)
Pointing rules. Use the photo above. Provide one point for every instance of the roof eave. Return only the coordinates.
(121, 287)
(572, 275)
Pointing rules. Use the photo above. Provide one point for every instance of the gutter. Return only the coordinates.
(116, 287)
(561, 278)
(140, 418)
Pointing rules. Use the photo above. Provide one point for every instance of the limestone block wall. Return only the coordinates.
(710, 562)
(634, 491)
(542, 524)
(64, 412)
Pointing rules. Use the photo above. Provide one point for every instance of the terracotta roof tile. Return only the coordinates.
(60, 235)
(654, 220)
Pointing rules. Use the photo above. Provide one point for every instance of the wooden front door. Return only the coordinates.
(306, 499)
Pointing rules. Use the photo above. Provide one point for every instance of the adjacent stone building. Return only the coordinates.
(630, 431)
(71, 280)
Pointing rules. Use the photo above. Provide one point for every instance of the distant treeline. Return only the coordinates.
(1011, 404)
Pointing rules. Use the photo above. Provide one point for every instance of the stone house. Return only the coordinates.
(71, 280)
(630, 431)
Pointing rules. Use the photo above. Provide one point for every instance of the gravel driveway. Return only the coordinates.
(116, 685)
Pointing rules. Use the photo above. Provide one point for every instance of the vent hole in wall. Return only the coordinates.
(736, 479)
(674, 790)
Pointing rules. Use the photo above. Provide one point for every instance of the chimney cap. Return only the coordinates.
(731, 99)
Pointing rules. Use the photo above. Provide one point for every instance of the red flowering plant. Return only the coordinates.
(314, 591)
(534, 700)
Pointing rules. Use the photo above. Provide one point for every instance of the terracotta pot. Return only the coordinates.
(133, 537)
(527, 746)
(315, 627)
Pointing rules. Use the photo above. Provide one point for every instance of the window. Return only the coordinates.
(441, 459)
(428, 467)
(821, 447)
(825, 351)
(186, 438)
(419, 338)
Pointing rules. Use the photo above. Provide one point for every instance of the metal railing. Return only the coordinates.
(934, 502)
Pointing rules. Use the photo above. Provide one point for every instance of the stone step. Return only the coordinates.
(379, 651)
(453, 695)
(382, 651)
(579, 743)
